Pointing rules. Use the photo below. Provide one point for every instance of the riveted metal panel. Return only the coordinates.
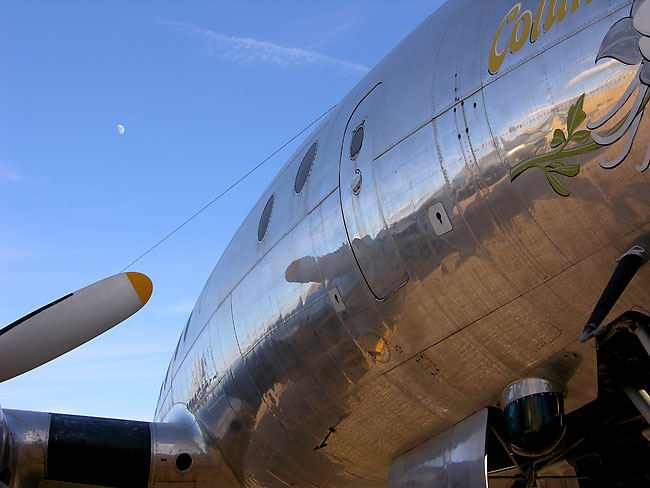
(406, 103)
(411, 180)
(458, 60)
(197, 374)
(463, 178)
(244, 250)
(518, 249)
(223, 339)
(281, 285)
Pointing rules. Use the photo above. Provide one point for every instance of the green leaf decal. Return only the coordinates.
(558, 138)
(570, 144)
(581, 136)
(562, 168)
(557, 186)
(576, 115)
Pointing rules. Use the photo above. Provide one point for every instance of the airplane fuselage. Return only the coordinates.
(445, 231)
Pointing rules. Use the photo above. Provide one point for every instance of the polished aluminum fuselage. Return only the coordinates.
(359, 327)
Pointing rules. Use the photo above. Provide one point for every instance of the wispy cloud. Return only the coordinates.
(8, 172)
(248, 50)
(347, 16)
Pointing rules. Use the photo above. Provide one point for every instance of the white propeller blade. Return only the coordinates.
(70, 321)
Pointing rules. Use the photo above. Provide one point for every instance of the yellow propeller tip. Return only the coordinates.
(142, 285)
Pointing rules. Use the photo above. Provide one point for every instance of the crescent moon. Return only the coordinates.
(120, 128)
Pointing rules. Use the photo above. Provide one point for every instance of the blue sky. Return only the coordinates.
(205, 91)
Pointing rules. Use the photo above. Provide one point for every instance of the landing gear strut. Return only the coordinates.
(628, 264)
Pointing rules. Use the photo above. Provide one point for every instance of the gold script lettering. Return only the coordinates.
(576, 4)
(517, 39)
(526, 24)
(537, 29)
(496, 57)
(555, 12)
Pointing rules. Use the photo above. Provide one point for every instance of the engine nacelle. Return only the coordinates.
(533, 410)
(49, 449)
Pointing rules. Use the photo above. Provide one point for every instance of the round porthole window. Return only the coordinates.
(264, 220)
(357, 142)
(305, 168)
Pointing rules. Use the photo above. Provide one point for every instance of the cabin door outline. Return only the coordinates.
(370, 239)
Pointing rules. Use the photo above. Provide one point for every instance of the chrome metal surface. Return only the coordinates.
(182, 436)
(28, 446)
(456, 457)
(527, 387)
(273, 366)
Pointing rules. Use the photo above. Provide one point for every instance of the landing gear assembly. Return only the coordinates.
(605, 443)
